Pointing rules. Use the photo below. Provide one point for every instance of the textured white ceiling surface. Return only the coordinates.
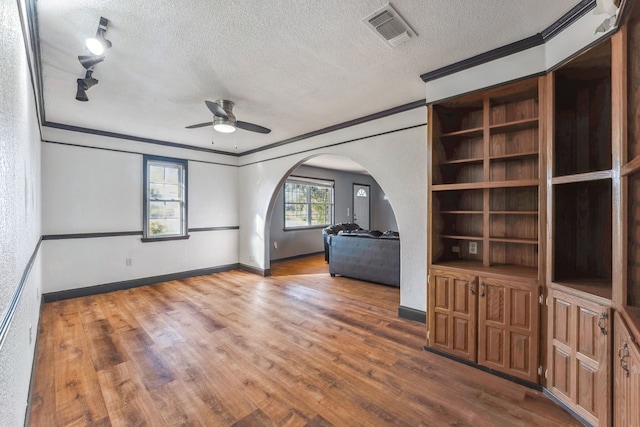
(291, 66)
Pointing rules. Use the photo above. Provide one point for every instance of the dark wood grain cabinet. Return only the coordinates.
(579, 332)
(534, 192)
(626, 375)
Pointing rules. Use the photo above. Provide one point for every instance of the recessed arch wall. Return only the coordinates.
(292, 243)
(392, 149)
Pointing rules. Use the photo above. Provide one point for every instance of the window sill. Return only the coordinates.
(164, 239)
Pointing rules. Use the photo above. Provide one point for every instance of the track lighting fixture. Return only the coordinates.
(88, 61)
(99, 43)
(84, 85)
(96, 45)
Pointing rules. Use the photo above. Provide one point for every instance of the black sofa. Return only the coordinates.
(333, 230)
(366, 255)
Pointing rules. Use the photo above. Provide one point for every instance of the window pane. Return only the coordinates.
(156, 173)
(171, 192)
(319, 195)
(172, 210)
(172, 175)
(173, 226)
(157, 191)
(157, 227)
(156, 210)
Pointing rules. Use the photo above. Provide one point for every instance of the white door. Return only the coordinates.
(361, 205)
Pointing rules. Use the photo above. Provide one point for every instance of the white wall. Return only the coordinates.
(94, 190)
(19, 216)
(299, 242)
(396, 160)
(532, 61)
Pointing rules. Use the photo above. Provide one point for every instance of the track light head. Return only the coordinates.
(89, 61)
(84, 85)
(81, 95)
(99, 43)
(88, 81)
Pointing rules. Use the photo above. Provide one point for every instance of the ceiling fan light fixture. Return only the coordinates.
(224, 127)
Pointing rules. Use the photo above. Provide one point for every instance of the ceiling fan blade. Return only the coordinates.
(217, 110)
(199, 125)
(251, 127)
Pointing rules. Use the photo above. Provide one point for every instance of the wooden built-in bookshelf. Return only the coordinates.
(486, 178)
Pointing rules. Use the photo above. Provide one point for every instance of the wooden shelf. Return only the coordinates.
(533, 213)
(456, 237)
(462, 212)
(465, 133)
(514, 156)
(514, 240)
(504, 270)
(582, 177)
(489, 184)
(514, 126)
(631, 167)
(462, 161)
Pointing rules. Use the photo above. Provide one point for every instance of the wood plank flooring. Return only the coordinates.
(299, 348)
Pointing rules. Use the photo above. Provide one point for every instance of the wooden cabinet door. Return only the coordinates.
(578, 359)
(626, 376)
(508, 327)
(452, 313)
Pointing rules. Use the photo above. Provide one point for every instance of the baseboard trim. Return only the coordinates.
(128, 284)
(412, 314)
(564, 406)
(290, 258)
(264, 272)
(508, 377)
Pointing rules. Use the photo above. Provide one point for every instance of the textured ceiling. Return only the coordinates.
(293, 66)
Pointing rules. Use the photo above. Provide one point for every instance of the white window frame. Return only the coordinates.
(181, 165)
(309, 182)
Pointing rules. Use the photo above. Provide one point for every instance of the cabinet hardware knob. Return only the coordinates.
(601, 324)
(623, 353)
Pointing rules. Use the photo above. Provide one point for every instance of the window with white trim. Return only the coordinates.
(165, 198)
(308, 203)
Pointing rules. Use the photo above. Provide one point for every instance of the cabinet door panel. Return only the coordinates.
(508, 327)
(587, 325)
(452, 313)
(579, 355)
(560, 372)
(520, 351)
(626, 374)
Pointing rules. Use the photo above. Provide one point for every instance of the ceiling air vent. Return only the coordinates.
(387, 24)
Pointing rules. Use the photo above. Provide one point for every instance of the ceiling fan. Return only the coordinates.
(225, 121)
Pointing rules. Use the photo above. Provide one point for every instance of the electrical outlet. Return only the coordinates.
(455, 249)
(473, 248)
(275, 245)
(30, 335)
(252, 258)
(129, 262)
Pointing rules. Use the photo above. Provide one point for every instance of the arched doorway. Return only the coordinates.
(286, 233)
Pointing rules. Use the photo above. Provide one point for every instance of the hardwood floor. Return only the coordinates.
(299, 348)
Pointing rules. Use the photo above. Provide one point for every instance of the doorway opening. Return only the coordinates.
(318, 192)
